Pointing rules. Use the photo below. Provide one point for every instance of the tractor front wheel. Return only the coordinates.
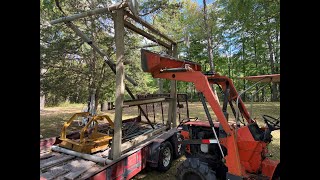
(194, 169)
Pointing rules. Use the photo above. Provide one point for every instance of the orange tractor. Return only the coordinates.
(222, 149)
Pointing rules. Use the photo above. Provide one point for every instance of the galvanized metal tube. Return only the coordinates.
(81, 155)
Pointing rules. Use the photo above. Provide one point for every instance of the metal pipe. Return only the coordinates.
(82, 155)
(154, 113)
(179, 115)
(206, 110)
(188, 116)
(237, 102)
(162, 113)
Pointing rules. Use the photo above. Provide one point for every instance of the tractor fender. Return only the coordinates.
(271, 168)
(154, 147)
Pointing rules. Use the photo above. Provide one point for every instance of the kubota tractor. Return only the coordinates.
(222, 149)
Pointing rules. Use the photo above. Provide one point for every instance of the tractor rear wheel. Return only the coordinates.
(194, 169)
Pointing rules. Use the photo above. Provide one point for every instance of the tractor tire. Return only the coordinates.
(165, 156)
(194, 169)
(276, 174)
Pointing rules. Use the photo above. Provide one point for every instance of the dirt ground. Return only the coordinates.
(52, 119)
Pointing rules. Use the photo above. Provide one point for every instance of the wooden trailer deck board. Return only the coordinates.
(54, 160)
(79, 167)
(56, 171)
(70, 169)
(46, 155)
(58, 165)
(56, 156)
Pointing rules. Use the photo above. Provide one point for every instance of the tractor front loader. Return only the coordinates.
(222, 149)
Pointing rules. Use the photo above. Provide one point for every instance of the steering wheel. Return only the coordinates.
(272, 123)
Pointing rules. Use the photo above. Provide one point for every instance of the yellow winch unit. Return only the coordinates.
(96, 141)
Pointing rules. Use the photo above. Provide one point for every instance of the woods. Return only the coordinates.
(235, 38)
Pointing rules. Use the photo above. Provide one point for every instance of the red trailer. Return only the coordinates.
(153, 147)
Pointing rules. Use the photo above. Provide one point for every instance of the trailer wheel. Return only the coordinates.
(194, 169)
(165, 156)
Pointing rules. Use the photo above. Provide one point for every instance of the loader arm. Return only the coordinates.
(173, 69)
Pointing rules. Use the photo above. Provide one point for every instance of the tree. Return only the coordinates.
(243, 39)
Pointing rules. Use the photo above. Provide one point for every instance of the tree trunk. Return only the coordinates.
(271, 90)
(230, 62)
(244, 69)
(263, 95)
(277, 53)
(42, 95)
(229, 68)
(277, 60)
(256, 61)
(190, 91)
(93, 71)
(160, 84)
(187, 87)
(279, 92)
(67, 99)
(104, 106)
(92, 103)
(271, 60)
(194, 90)
(209, 43)
(42, 101)
(96, 99)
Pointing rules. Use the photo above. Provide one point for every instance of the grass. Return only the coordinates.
(52, 119)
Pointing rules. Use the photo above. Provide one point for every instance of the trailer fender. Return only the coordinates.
(176, 141)
(153, 157)
(154, 148)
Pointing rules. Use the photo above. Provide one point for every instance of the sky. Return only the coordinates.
(200, 2)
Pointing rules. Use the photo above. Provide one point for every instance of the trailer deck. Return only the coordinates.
(141, 143)
(59, 165)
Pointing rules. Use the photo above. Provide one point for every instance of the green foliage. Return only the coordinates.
(245, 36)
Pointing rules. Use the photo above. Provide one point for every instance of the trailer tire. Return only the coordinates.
(194, 169)
(165, 156)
